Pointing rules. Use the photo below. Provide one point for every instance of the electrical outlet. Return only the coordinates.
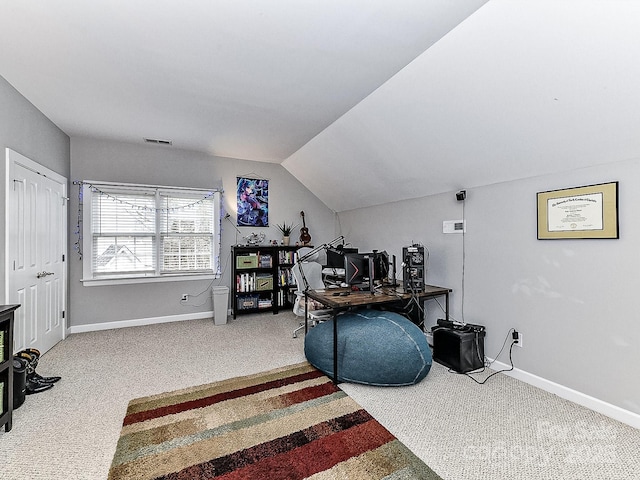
(518, 340)
(185, 297)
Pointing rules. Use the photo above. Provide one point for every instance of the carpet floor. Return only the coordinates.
(285, 424)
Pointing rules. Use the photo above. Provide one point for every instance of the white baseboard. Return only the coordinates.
(617, 413)
(94, 327)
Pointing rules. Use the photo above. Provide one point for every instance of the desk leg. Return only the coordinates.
(335, 348)
(446, 307)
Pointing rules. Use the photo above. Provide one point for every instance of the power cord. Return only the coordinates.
(208, 288)
(504, 343)
(488, 364)
(412, 304)
(463, 257)
(451, 317)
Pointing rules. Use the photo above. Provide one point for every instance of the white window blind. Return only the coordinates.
(123, 231)
(187, 234)
(143, 231)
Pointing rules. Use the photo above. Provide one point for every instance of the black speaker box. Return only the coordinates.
(461, 350)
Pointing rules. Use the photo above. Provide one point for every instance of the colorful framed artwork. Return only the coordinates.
(253, 202)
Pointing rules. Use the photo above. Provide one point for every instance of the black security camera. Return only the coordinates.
(461, 195)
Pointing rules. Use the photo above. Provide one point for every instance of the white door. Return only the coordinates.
(37, 250)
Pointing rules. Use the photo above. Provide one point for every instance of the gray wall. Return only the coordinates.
(26, 130)
(93, 159)
(573, 300)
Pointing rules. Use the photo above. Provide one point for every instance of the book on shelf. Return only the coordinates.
(265, 303)
(286, 278)
(245, 282)
(249, 282)
(265, 261)
(283, 298)
(287, 256)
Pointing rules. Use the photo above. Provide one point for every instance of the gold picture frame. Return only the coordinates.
(581, 212)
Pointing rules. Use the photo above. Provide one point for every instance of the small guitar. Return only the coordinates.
(305, 238)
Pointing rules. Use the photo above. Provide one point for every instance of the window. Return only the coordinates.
(146, 232)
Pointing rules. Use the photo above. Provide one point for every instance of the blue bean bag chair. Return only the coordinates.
(374, 348)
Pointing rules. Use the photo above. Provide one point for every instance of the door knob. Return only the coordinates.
(44, 274)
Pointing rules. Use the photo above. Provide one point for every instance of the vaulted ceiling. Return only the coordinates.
(364, 101)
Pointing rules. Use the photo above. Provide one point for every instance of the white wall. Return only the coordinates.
(93, 159)
(573, 300)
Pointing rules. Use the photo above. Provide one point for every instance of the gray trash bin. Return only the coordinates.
(220, 297)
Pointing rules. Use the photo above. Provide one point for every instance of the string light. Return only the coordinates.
(78, 244)
(146, 208)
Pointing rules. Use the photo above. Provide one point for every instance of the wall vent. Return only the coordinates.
(158, 142)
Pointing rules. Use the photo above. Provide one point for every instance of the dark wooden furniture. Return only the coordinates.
(6, 364)
(338, 302)
(261, 278)
(383, 296)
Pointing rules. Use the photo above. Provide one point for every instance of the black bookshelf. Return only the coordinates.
(261, 278)
(6, 364)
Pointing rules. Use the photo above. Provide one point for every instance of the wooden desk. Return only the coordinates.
(384, 296)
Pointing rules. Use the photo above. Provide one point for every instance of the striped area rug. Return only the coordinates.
(288, 423)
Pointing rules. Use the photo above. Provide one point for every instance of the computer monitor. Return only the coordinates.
(380, 265)
(335, 256)
(357, 267)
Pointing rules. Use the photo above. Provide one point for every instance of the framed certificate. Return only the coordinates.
(580, 212)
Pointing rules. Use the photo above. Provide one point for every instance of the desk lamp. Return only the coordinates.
(325, 246)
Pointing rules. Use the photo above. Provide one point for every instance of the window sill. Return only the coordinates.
(97, 282)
